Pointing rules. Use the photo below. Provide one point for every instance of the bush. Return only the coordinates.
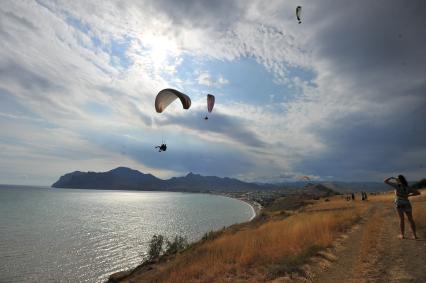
(179, 243)
(155, 247)
(420, 184)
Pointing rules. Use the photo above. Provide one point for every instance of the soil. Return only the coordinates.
(370, 252)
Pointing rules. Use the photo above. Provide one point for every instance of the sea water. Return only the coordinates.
(69, 235)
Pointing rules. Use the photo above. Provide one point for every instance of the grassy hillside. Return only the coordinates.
(279, 241)
(275, 243)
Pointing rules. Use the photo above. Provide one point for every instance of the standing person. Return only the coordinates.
(403, 205)
(353, 196)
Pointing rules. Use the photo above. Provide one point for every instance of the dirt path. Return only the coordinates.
(373, 253)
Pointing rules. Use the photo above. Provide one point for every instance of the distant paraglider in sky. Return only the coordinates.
(166, 96)
(210, 104)
(299, 13)
(305, 178)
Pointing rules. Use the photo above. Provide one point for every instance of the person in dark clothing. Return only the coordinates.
(403, 205)
(162, 147)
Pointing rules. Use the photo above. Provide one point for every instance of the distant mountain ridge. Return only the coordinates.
(123, 178)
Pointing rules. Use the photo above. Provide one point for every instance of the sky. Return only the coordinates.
(341, 96)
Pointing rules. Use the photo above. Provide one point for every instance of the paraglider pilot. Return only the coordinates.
(162, 147)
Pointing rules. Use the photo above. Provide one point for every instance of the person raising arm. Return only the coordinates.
(403, 205)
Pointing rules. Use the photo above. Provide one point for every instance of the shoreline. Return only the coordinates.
(254, 205)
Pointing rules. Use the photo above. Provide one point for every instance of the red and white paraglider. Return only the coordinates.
(210, 104)
(299, 14)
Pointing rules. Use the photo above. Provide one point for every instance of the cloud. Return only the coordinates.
(25, 78)
(230, 128)
(205, 79)
(376, 70)
(342, 81)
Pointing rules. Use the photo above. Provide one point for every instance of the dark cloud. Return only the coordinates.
(217, 14)
(118, 94)
(17, 20)
(181, 155)
(28, 79)
(231, 127)
(379, 49)
(378, 45)
(358, 144)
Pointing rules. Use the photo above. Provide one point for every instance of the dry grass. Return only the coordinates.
(337, 203)
(369, 249)
(262, 252)
(419, 211)
(382, 197)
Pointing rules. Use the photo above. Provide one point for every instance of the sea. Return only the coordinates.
(70, 235)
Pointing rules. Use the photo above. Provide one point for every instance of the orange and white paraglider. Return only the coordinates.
(166, 96)
(163, 99)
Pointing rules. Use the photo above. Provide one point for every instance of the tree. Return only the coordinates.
(179, 243)
(420, 184)
(155, 247)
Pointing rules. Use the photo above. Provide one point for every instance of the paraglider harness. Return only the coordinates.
(162, 147)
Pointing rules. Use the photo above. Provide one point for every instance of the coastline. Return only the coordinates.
(255, 206)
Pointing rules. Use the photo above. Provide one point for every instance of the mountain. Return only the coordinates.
(318, 190)
(118, 178)
(208, 183)
(347, 187)
(123, 178)
(339, 186)
(129, 179)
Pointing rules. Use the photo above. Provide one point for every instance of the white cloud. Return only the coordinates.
(57, 57)
(204, 78)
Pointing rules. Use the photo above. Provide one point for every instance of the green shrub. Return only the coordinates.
(176, 245)
(420, 184)
(155, 247)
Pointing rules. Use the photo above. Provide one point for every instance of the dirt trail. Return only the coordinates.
(373, 253)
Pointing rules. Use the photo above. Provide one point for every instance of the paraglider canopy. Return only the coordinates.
(210, 102)
(298, 13)
(305, 178)
(166, 96)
